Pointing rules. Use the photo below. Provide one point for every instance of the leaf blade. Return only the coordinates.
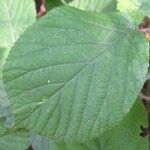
(95, 5)
(70, 97)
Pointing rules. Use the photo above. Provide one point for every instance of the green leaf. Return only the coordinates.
(3, 55)
(135, 7)
(5, 110)
(129, 10)
(40, 143)
(126, 5)
(50, 4)
(143, 5)
(73, 146)
(95, 5)
(12, 139)
(74, 74)
(125, 136)
(15, 17)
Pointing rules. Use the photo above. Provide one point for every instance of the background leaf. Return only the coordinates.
(50, 4)
(3, 55)
(143, 5)
(76, 77)
(95, 5)
(15, 17)
(137, 9)
(13, 139)
(5, 110)
(125, 136)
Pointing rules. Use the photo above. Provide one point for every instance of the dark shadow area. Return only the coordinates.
(50, 4)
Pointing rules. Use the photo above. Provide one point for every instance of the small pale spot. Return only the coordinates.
(40, 103)
(48, 81)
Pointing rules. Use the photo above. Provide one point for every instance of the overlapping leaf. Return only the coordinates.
(50, 4)
(15, 17)
(138, 7)
(125, 136)
(95, 5)
(143, 5)
(74, 74)
(3, 54)
(13, 139)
